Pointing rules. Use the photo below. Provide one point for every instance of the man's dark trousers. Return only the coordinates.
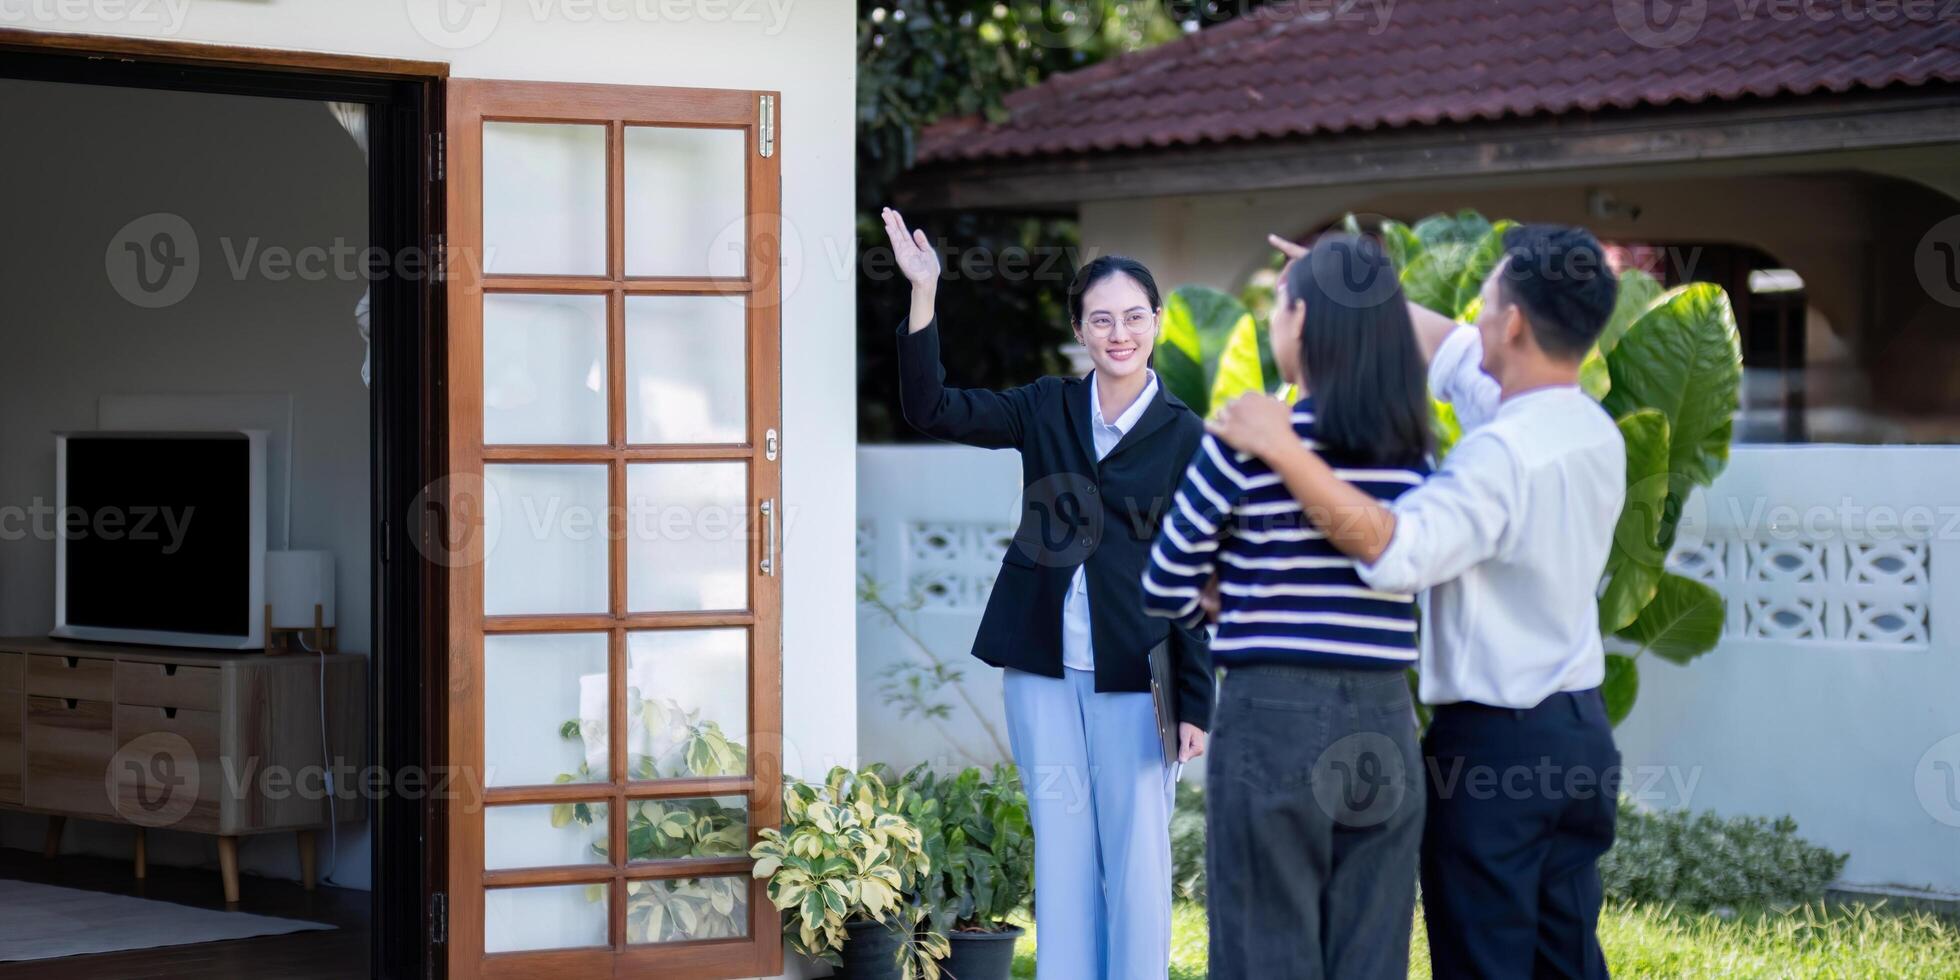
(1521, 806)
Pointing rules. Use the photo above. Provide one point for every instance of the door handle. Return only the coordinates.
(769, 536)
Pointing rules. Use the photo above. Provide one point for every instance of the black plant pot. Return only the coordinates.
(870, 952)
(982, 955)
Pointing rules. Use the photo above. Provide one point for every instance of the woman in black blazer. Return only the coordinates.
(1100, 458)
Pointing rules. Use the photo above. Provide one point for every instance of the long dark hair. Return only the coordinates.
(1358, 354)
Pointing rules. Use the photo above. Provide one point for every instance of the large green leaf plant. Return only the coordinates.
(1668, 368)
(846, 852)
(1211, 349)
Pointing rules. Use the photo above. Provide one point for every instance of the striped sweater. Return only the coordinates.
(1286, 595)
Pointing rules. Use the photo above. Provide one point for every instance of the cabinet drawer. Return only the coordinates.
(167, 685)
(69, 744)
(11, 760)
(11, 670)
(71, 677)
(150, 777)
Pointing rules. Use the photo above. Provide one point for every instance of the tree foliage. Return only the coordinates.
(1004, 295)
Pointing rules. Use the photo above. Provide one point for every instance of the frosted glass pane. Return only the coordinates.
(686, 369)
(545, 539)
(533, 684)
(524, 836)
(544, 369)
(685, 202)
(687, 695)
(717, 908)
(687, 541)
(546, 917)
(715, 826)
(544, 199)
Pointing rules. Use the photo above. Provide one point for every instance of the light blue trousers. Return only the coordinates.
(1099, 796)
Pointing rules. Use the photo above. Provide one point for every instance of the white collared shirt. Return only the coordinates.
(1510, 537)
(1078, 649)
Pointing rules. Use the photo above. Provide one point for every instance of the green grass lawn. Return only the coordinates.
(1850, 941)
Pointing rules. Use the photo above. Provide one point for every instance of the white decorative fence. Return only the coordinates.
(1834, 697)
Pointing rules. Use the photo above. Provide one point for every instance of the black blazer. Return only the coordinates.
(1074, 511)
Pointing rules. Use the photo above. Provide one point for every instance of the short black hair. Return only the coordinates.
(1102, 267)
(1558, 275)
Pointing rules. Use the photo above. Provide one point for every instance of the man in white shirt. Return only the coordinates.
(1510, 537)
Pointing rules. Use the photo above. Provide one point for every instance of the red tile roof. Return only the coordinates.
(1296, 67)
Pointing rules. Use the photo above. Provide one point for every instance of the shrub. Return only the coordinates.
(1694, 861)
(1702, 861)
(1188, 844)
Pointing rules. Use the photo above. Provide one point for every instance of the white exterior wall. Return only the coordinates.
(1841, 717)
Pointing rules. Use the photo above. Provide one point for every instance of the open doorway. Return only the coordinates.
(216, 414)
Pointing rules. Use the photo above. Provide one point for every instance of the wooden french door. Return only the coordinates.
(614, 688)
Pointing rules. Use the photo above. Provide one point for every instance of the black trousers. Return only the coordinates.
(1521, 806)
(1313, 809)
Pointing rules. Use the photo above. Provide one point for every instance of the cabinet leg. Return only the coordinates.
(52, 846)
(308, 858)
(142, 854)
(228, 867)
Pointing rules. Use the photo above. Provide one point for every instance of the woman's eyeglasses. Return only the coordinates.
(1134, 321)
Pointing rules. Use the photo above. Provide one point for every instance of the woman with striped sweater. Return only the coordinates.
(1314, 801)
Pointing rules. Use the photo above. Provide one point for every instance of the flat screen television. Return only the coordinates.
(160, 537)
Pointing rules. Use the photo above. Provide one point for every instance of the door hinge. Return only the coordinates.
(439, 258)
(438, 168)
(766, 133)
(387, 542)
(438, 917)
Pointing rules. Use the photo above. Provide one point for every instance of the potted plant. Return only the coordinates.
(982, 850)
(841, 866)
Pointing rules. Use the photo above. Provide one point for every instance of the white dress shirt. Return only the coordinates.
(1510, 537)
(1078, 650)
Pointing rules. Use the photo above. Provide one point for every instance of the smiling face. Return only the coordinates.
(1118, 326)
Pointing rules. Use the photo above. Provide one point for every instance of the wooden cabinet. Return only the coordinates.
(208, 742)
(13, 673)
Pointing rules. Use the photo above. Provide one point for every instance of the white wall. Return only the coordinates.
(1835, 695)
(1841, 717)
(85, 160)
